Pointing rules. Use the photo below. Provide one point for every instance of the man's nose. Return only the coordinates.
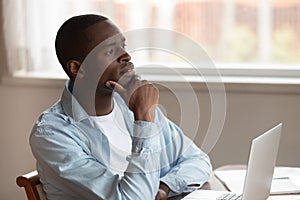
(125, 57)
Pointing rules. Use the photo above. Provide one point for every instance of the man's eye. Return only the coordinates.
(109, 52)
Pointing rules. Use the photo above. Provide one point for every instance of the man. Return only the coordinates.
(106, 138)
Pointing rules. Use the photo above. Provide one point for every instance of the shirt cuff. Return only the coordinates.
(175, 183)
(146, 137)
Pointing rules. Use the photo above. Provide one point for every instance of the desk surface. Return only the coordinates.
(215, 184)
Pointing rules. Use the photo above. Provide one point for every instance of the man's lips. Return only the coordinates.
(127, 68)
(127, 75)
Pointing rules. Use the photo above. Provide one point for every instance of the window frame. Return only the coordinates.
(230, 73)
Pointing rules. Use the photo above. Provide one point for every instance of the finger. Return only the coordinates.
(114, 85)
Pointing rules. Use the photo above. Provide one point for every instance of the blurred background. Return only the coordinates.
(254, 44)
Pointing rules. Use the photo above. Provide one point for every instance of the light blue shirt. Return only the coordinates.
(73, 156)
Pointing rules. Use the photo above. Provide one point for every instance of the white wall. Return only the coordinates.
(248, 114)
(251, 110)
(19, 108)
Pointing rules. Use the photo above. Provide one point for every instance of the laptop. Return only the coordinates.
(261, 164)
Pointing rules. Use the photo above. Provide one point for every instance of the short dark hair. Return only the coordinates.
(71, 40)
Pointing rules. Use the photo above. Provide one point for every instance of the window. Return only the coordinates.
(236, 34)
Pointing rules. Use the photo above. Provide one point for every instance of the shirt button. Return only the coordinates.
(178, 188)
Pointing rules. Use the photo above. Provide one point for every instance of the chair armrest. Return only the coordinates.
(31, 178)
(30, 182)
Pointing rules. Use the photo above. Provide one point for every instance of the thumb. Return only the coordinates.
(114, 85)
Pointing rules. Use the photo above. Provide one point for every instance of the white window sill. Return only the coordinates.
(277, 81)
(31, 80)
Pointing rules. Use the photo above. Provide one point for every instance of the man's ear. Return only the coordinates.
(74, 68)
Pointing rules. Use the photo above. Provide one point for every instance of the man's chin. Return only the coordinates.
(127, 79)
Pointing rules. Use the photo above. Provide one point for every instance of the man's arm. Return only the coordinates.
(190, 166)
(189, 173)
(68, 164)
(187, 167)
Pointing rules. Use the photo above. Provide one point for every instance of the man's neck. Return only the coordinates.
(103, 104)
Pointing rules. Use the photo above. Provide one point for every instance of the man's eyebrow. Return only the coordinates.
(114, 43)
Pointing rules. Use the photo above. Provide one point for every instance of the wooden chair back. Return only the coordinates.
(32, 185)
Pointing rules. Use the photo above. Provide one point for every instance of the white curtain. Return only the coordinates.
(14, 21)
(30, 28)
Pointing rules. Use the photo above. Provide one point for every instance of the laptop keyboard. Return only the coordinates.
(230, 197)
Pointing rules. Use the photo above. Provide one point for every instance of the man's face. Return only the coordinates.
(108, 60)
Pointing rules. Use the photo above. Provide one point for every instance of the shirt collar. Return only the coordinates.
(71, 106)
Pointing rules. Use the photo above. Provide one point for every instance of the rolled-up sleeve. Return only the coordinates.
(188, 168)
